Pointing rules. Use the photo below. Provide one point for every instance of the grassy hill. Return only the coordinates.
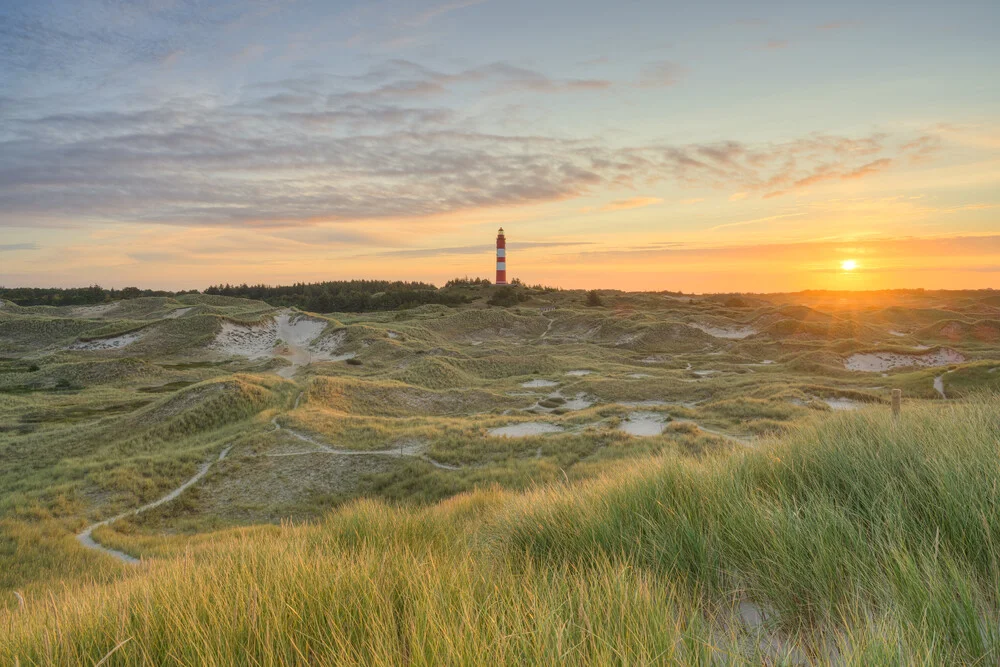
(641, 481)
(856, 539)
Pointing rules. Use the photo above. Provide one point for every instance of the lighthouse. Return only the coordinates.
(501, 258)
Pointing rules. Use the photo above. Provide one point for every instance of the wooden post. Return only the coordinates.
(897, 397)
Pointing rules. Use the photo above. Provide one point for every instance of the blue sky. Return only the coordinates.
(175, 143)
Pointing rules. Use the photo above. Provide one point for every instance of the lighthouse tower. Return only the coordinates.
(501, 258)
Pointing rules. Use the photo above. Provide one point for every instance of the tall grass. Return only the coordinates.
(862, 540)
(858, 512)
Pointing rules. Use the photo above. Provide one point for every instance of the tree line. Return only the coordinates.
(76, 296)
(345, 296)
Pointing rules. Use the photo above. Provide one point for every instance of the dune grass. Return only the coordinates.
(859, 539)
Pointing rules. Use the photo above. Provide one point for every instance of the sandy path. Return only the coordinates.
(414, 450)
(86, 537)
(548, 328)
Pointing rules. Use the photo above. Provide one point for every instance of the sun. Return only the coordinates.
(848, 265)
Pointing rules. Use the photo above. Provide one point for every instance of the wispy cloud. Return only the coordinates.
(293, 154)
(474, 249)
(9, 247)
(838, 25)
(776, 44)
(634, 202)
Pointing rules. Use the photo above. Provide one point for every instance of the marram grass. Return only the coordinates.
(862, 540)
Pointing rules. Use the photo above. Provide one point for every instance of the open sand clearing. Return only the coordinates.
(524, 430)
(643, 424)
(842, 404)
(289, 335)
(733, 333)
(878, 362)
(113, 343)
(578, 373)
(533, 384)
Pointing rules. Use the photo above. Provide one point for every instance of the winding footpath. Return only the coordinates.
(407, 450)
(86, 537)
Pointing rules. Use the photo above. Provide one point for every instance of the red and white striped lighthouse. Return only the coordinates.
(501, 258)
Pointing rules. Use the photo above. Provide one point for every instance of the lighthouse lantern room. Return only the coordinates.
(501, 258)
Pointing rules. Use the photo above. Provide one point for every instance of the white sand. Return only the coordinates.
(704, 373)
(639, 376)
(579, 402)
(292, 336)
(115, 343)
(642, 424)
(524, 430)
(532, 384)
(734, 333)
(877, 362)
(939, 385)
(842, 403)
(578, 373)
(254, 342)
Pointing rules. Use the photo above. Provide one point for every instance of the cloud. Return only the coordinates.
(474, 249)
(838, 25)
(376, 145)
(883, 248)
(9, 247)
(776, 44)
(634, 202)
(828, 172)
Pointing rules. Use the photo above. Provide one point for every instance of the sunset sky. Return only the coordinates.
(712, 146)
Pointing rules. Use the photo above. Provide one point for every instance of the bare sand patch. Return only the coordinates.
(533, 384)
(580, 373)
(842, 404)
(524, 430)
(639, 376)
(579, 402)
(643, 424)
(292, 336)
(878, 362)
(252, 341)
(113, 343)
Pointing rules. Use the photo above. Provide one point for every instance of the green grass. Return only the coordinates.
(863, 538)
(849, 529)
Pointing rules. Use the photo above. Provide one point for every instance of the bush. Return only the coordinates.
(506, 296)
(594, 298)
